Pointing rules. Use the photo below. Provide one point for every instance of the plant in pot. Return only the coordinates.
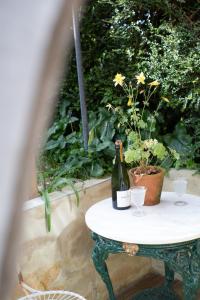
(145, 154)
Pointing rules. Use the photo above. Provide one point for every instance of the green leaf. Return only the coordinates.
(159, 151)
(61, 182)
(102, 146)
(91, 136)
(47, 205)
(142, 124)
(107, 132)
(96, 170)
(133, 138)
(179, 139)
(52, 145)
(95, 142)
(133, 155)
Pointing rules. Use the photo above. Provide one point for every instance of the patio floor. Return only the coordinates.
(148, 281)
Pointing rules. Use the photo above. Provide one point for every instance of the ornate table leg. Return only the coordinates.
(169, 276)
(99, 255)
(190, 287)
(185, 260)
(191, 279)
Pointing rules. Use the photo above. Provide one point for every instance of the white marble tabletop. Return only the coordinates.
(164, 223)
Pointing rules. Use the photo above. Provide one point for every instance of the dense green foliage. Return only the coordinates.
(159, 38)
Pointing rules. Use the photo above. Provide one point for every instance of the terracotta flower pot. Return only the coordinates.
(153, 183)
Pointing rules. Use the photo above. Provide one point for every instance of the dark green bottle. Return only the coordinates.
(120, 180)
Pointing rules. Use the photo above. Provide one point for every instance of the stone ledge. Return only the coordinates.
(54, 196)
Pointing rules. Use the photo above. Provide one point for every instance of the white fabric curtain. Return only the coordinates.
(34, 36)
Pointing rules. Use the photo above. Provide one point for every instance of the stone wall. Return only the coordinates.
(61, 259)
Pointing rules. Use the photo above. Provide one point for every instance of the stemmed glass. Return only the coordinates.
(180, 187)
(137, 200)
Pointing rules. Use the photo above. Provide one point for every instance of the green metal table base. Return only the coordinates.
(183, 258)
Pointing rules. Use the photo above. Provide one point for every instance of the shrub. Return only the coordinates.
(160, 38)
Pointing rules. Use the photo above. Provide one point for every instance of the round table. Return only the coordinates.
(167, 232)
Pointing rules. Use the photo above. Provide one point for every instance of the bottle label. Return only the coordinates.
(123, 198)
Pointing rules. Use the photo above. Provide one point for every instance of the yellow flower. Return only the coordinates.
(130, 101)
(165, 99)
(119, 79)
(154, 83)
(140, 78)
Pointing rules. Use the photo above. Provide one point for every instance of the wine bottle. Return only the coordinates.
(120, 180)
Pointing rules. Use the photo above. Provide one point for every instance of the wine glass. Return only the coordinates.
(180, 187)
(137, 200)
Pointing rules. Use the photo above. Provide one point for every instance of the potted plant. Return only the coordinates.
(144, 151)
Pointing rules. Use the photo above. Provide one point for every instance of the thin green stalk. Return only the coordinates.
(136, 115)
(45, 196)
(143, 105)
(158, 107)
(147, 98)
(125, 88)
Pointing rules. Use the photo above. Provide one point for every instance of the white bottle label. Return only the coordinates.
(123, 198)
